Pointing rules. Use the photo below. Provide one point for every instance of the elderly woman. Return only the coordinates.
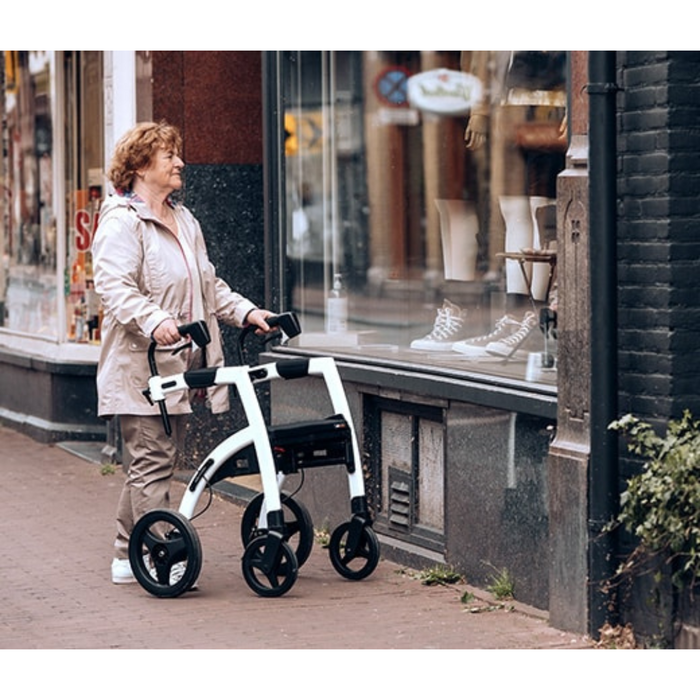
(152, 274)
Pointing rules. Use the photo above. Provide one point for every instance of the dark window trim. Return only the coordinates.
(482, 390)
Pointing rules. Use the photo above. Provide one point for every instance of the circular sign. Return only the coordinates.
(445, 92)
(392, 86)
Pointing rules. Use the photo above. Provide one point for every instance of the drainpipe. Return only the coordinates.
(603, 487)
(273, 175)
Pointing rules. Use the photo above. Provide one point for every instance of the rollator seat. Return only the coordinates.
(295, 446)
(315, 443)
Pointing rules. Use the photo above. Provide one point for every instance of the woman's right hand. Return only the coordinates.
(166, 332)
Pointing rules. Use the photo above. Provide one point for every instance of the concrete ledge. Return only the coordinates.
(49, 399)
(49, 431)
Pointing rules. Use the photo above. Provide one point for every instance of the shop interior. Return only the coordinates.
(421, 207)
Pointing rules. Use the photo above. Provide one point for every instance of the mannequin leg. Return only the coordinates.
(459, 227)
(540, 271)
(519, 232)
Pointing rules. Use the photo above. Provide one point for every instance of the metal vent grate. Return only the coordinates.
(400, 500)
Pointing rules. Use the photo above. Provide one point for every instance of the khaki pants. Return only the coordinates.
(152, 456)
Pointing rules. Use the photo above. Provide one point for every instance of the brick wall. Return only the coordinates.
(659, 233)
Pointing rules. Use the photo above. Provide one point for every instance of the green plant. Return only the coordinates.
(661, 504)
(322, 535)
(502, 585)
(467, 598)
(439, 575)
(107, 468)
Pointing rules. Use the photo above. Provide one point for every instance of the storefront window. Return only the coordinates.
(420, 197)
(84, 184)
(28, 238)
(45, 237)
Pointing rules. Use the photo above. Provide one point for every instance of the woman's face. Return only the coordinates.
(164, 172)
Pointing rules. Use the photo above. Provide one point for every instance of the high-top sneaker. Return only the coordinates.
(449, 322)
(476, 347)
(505, 347)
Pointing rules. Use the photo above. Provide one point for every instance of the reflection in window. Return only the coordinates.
(84, 183)
(28, 232)
(46, 284)
(421, 187)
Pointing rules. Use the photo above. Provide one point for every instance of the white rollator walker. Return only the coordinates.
(164, 548)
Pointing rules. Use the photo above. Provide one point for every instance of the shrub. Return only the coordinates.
(661, 504)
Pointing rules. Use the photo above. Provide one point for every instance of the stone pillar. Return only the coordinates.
(570, 451)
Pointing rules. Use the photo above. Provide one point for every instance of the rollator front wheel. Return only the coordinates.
(165, 553)
(269, 566)
(298, 526)
(354, 550)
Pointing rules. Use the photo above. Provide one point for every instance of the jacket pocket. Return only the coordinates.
(167, 363)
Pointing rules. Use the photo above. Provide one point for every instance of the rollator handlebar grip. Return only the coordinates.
(198, 331)
(288, 322)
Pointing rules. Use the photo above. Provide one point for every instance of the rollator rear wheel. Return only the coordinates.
(165, 553)
(269, 566)
(298, 527)
(354, 550)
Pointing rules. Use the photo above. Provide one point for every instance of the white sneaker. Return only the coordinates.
(476, 347)
(508, 345)
(121, 571)
(447, 328)
(177, 571)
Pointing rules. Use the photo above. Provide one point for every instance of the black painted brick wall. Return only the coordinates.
(659, 233)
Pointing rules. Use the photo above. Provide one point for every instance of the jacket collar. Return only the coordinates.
(132, 201)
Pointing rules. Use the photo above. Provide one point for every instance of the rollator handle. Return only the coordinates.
(288, 322)
(198, 331)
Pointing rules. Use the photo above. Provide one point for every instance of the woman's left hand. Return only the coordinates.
(257, 318)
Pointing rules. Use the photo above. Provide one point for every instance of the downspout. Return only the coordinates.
(273, 177)
(603, 487)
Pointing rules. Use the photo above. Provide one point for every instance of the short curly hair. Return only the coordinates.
(136, 148)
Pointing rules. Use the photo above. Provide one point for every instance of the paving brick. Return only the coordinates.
(56, 591)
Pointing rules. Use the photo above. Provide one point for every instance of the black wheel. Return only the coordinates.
(298, 527)
(354, 550)
(165, 553)
(547, 360)
(269, 566)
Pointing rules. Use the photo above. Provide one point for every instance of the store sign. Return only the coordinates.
(391, 85)
(86, 218)
(85, 227)
(444, 92)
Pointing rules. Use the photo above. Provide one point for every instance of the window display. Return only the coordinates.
(84, 178)
(423, 185)
(46, 278)
(28, 237)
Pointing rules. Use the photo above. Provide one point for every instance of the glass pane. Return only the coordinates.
(420, 195)
(28, 238)
(84, 180)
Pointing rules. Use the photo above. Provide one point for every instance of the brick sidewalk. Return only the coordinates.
(57, 513)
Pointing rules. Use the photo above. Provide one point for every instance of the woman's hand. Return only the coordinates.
(166, 332)
(257, 318)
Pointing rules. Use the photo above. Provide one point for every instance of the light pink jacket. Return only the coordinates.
(142, 278)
